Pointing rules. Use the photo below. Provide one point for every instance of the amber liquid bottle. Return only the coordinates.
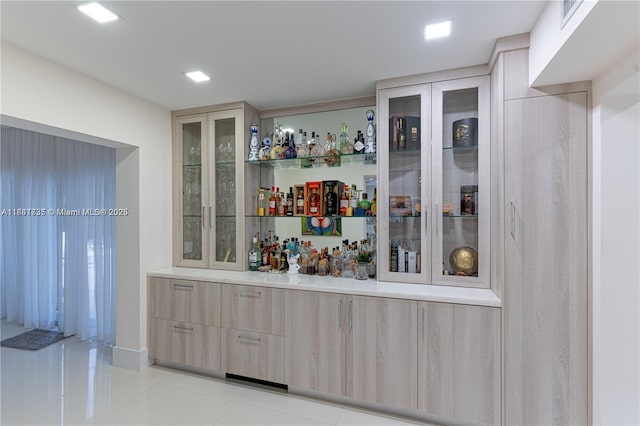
(314, 202)
(344, 200)
(300, 202)
(272, 202)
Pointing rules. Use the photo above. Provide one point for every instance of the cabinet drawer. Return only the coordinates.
(256, 355)
(188, 301)
(185, 343)
(249, 308)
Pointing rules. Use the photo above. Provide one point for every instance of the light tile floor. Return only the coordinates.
(73, 382)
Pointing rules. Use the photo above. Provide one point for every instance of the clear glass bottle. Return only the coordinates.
(262, 202)
(346, 147)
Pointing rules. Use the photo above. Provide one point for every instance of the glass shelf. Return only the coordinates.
(322, 161)
(464, 149)
(298, 217)
(191, 216)
(458, 216)
(192, 166)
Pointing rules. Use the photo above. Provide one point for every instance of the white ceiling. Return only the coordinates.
(270, 54)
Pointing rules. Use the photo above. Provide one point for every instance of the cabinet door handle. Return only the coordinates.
(437, 218)
(210, 222)
(183, 287)
(179, 327)
(513, 220)
(426, 217)
(254, 294)
(350, 314)
(204, 222)
(423, 323)
(249, 338)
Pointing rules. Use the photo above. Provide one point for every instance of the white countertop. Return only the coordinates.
(423, 292)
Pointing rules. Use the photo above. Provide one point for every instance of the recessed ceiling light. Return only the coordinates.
(98, 12)
(441, 29)
(198, 76)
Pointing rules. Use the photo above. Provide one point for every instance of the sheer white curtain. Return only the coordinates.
(62, 263)
(29, 260)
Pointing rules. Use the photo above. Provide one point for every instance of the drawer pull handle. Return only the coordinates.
(177, 327)
(253, 339)
(183, 286)
(249, 293)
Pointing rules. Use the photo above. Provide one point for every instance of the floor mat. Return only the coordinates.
(33, 340)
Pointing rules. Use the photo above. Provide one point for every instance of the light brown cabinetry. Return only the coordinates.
(356, 346)
(545, 233)
(253, 332)
(259, 309)
(184, 322)
(459, 362)
(434, 177)
(546, 260)
(211, 186)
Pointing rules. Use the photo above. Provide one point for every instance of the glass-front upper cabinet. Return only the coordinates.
(191, 198)
(404, 192)
(209, 188)
(227, 152)
(461, 174)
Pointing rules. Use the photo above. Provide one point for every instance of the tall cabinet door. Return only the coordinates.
(190, 192)
(459, 362)
(226, 208)
(546, 253)
(404, 135)
(461, 182)
(314, 344)
(382, 351)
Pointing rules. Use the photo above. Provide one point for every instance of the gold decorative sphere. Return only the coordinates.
(464, 259)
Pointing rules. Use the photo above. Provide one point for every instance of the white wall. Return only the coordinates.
(47, 97)
(616, 213)
(547, 38)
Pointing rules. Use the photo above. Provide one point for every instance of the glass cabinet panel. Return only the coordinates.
(404, 185)
(225, 140)
(192, 205)
(461, 173)
(224, 131)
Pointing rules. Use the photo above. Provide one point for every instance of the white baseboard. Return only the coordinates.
(130, 359)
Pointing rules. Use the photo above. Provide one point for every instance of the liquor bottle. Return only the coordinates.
(314, 202)
(329, 144)
(330, 201)
(253, 255)
(299, 140)
(261, 202)
(346, 147)
(364, 203)
(272, 202)
(300, 202)
(370, 145)
(344, 200)
(358, 143)
(290, 202)
(289, 148)
(374, 202)
(353, 198)
(402, 137)
(279, 204)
